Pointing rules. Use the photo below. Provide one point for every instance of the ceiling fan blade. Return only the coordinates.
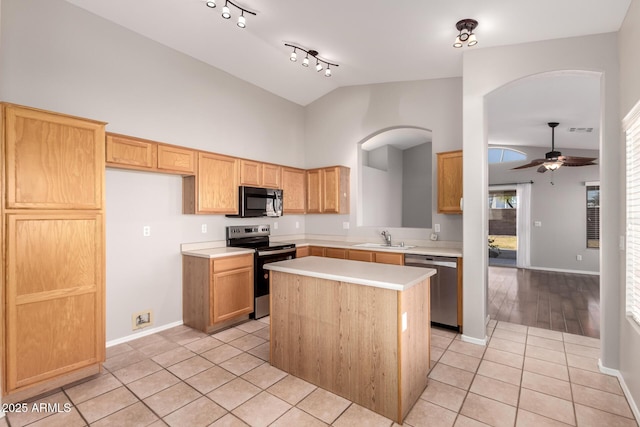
(573, 165)
(578, 161)
(542, 169)
(535, 162)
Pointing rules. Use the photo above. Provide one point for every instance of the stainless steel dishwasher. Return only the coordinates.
(444, 287)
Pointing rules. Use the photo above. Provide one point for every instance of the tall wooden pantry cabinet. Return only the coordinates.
(53, 284)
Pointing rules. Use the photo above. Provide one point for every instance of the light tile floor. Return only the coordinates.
(181, 377)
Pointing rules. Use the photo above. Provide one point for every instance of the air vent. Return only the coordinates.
(581, 130)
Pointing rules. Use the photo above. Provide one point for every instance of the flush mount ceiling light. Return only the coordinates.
(226, 12)
(314, 54)
(466, 35)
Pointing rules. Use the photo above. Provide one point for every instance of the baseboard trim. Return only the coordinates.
(143, 333)
(472, 340)
(562, 270)
(623, 384)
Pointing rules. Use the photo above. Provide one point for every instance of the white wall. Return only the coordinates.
(337, 122)
(382, 187)
(561, 208)
(417, 186)
(629, 96)
(485, 70)
(58, 57)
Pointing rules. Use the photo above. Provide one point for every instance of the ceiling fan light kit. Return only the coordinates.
(553, 159)
(320, 63)
(466, 35)
(226, 12)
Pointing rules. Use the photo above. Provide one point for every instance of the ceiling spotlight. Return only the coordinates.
(226, 12)
(466, 35)
(320, 63)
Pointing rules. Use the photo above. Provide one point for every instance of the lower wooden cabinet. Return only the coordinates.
(358, 255)
(54, 300)
(302, 251)
(216, 291)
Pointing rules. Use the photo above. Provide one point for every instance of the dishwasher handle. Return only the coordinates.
(429, 261)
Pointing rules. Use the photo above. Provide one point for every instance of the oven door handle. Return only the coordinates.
(277, 252)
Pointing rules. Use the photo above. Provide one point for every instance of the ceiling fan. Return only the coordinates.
(554, 159)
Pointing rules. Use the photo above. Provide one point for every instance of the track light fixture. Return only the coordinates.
(314, 54)
(466, 35)
(226, 12)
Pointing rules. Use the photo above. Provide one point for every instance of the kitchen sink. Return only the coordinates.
(382, 246)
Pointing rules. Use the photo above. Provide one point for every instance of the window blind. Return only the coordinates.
(632, 130)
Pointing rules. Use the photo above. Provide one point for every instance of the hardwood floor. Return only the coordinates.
(564, 302)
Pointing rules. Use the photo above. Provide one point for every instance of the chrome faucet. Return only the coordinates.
(387, 237)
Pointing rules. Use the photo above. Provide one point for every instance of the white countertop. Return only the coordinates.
(217, 252)
(394, 277)
(419, 250)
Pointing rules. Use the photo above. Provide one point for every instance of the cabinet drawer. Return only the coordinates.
(316, 251)
(232, 263)
(356, 255)
(389, 258)
(335, 253)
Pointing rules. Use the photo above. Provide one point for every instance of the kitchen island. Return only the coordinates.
(357, 329)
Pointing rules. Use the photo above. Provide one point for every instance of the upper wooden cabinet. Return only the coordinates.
(328, 190)
(135, 153)
(215, 189)
(257, 174)
(450, 182)
(53, 161)
(52, 281)
(293, 190)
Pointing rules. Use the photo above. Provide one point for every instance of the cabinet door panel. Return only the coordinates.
(250, 173)
(217, 184)
(53, 161)
(125, 151)
(54, 295)
(232, 294)
(271, 175)
(294, 191)
(449, 182)
(178, 159)
(314, 191)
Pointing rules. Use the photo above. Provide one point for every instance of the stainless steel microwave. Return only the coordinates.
(257, 201)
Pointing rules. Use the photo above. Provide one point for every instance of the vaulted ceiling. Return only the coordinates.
(372, 41)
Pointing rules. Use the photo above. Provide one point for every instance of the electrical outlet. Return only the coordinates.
(578, 257)
(345, 225)
(204, 228)
(537, 223)
(436, 228)
(141, 319)
(146, 231)
(297, 224)
(275, 225)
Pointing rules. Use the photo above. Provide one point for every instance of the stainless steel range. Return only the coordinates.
(257, 237)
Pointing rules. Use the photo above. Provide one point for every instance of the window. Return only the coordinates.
(632, 129)
(593, 215)
(504, 155)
